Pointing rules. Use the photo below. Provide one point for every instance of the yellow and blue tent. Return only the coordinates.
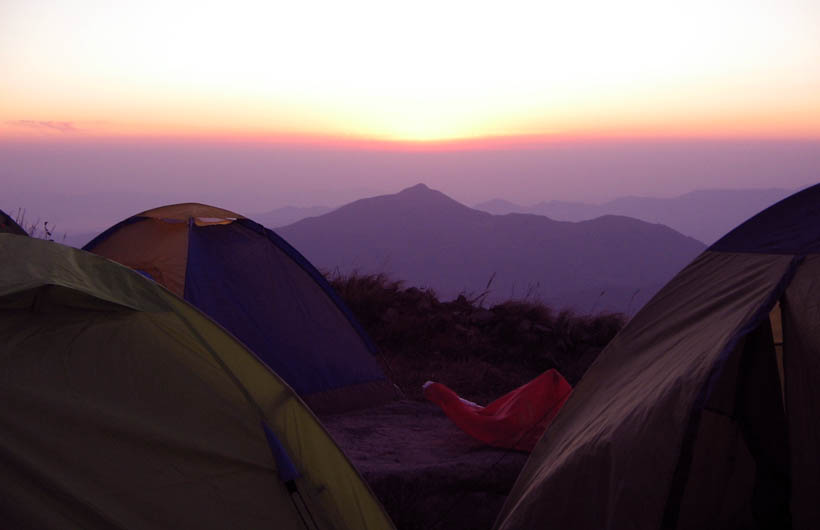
(261, 289)
(126, 407)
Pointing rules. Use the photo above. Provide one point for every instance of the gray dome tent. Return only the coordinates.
(704, 411)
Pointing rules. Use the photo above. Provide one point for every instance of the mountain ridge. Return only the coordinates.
(428, 239)
(705, 214)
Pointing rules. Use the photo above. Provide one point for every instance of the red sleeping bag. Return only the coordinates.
(515, 420)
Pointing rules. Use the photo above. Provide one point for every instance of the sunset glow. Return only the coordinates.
(421, 71)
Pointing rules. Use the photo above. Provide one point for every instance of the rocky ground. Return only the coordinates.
(426, 472)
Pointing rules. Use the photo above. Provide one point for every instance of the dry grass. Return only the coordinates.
(479, 352)
(38, 229)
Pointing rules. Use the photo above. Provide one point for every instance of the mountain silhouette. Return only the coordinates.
(288, 214)
(705, 215)
(427, 239)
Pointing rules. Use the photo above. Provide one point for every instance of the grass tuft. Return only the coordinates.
(479, 352)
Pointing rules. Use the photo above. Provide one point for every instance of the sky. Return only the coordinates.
(421, 71)
(269, 103)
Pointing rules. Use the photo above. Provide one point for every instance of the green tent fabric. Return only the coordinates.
(126, 407)
(703, 411)
(9, 226)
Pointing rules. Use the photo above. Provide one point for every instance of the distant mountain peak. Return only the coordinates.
(421, 196)
(418, 188)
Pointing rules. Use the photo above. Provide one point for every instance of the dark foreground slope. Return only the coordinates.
(428, 473)
(430, 240)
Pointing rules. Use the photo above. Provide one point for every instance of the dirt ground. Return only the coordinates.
(427, 473)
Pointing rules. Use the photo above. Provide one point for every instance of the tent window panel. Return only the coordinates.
(776, 319)
(739, 474)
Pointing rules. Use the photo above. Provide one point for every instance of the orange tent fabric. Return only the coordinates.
(515, 420)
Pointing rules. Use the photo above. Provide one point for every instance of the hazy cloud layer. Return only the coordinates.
(60, 126)
(82, 183)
